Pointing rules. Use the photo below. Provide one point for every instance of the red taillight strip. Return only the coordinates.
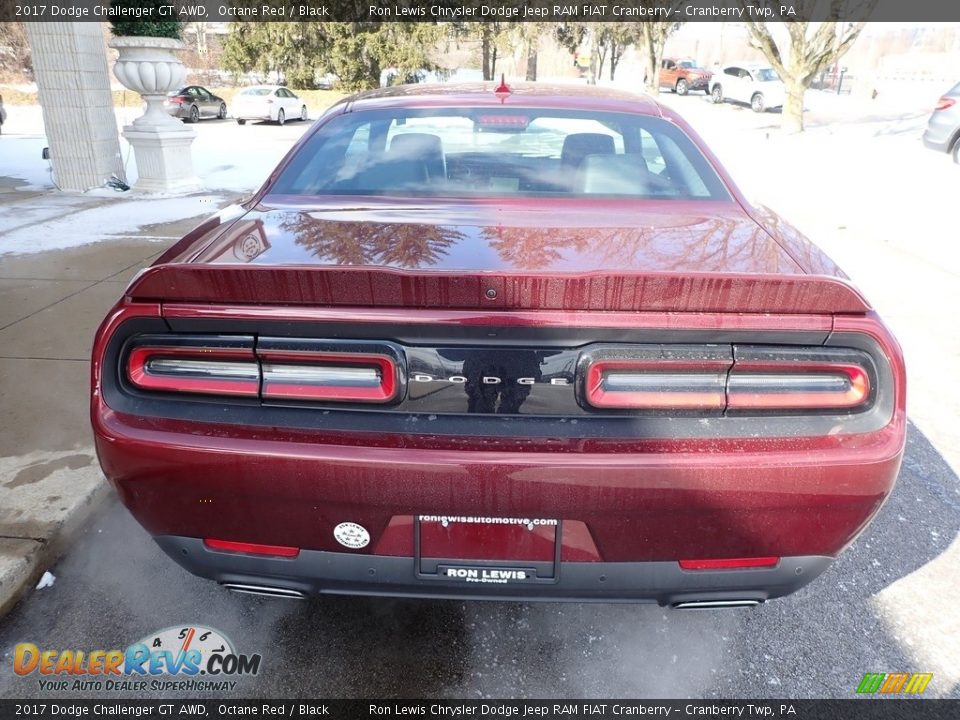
(796, 386)
(251, 548)
(730, 563)
(192, 369)
(945, 103)
(657, 384)
(341, 377)
(760, 378)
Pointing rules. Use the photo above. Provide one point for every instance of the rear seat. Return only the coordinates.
(617, 175)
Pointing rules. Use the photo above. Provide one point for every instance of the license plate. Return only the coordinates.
(487, 575)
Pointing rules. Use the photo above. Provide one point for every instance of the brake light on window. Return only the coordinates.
(945, 103)
(507, 121)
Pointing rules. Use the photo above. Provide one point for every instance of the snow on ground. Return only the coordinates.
(103, 222)
(226, 156)
(20, 159)
(859, 167)
(227, 159)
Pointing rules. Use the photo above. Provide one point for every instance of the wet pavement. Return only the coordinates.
(115, 587)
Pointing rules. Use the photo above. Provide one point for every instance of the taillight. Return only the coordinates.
(739, 378)
(209, 366)
(271, 368)
(654, 380)
(944, 103)
(730, 563)
(327, 370)
(798, 379)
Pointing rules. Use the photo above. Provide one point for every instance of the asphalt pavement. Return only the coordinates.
(115, 587)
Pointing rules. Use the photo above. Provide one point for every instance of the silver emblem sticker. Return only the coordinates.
(351, 535)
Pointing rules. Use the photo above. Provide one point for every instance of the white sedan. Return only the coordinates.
(757, 85)
(268, 102)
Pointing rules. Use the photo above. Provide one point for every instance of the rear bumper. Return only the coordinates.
(293, 488)
(940, 134)
(252, 115)
(355, 574)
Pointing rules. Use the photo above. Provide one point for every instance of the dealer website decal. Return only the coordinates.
(172, 659)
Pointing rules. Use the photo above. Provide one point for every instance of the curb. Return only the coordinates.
(23, 560)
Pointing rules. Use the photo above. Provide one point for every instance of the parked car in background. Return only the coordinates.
(273, 103)
(943, 127)
(683, 75)
(468, 341)
(757, 85)
(192, 102)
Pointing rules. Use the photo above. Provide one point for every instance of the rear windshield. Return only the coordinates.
(256, 91)
(500, 152)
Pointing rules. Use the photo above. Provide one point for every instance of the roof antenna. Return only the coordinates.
(503, 90)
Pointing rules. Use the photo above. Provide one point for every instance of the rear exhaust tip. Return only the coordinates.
(265, 590)
(714, 604)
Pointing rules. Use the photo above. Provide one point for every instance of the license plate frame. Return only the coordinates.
(484, 573)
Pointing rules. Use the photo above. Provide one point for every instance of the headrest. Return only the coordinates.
(578, 145)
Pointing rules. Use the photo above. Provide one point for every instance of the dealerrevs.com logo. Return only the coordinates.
(184, 658)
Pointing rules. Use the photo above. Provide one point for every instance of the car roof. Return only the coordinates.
(480, 94)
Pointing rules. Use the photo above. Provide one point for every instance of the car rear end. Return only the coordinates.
(254, 104)
(943, 127)
(551, 398)
(178, 104)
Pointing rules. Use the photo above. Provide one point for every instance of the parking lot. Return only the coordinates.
(858, 182)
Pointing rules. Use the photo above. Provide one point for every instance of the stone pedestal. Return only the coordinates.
(163, 158)
(70, 65)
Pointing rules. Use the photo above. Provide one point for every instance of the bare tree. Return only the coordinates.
(16, 62)
(806, 49)
(528, 38)
(651, 39)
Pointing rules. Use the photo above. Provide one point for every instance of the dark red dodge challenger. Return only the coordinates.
(475, 341)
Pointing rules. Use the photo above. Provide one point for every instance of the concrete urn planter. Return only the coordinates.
(161, 143)
(148, 66)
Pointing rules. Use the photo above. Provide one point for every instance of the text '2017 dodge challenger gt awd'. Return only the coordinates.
(525, 343)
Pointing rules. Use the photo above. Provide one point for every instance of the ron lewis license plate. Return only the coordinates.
(487, 575)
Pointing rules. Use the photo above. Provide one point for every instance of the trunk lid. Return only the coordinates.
(558, 255)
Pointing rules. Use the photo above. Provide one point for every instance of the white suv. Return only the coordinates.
(757, 85)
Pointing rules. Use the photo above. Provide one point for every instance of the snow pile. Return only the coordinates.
(104, 221)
